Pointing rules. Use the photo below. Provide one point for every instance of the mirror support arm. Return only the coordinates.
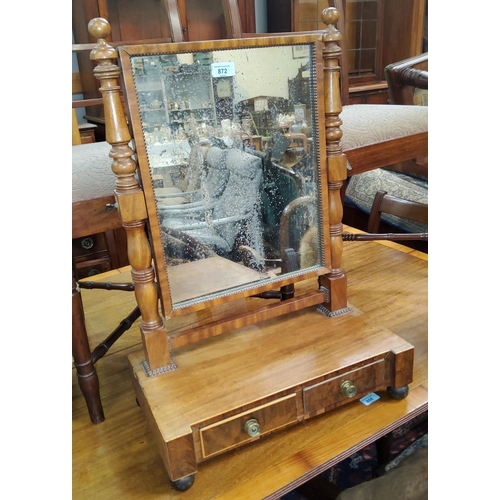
(130, 199)
(335, 282)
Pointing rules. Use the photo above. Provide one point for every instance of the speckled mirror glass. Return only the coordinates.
(227, 145)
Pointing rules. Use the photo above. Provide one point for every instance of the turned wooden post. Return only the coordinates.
(130, 200)
(335, 282)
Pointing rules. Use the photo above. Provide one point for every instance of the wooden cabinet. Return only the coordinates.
(98, 253)
(129, 21)
(99, 240)
(146, 20)
(375, 33)
(90, 255)
(173, 97)
(375, 93)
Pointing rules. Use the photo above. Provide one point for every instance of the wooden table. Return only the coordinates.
(119, 459)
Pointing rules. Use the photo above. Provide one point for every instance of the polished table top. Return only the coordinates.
(118, 458)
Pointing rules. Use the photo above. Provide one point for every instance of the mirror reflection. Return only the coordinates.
(230, 141)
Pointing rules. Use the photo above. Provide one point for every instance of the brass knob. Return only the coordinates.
(87, 243)
(348, 389)
(252, 427)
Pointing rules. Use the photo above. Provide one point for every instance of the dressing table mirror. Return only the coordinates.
(223, 201)
(228, 186)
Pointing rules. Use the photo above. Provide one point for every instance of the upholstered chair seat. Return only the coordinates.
(402, 127)
(361, 190)
(92, 174)
(365, 125)
(369, 124)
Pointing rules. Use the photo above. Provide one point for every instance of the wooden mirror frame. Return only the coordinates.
(181, 290)
(331, 296)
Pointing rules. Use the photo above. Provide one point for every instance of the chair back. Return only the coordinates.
(408, 80)
(386, 204)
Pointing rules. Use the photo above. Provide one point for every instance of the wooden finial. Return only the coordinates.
(330, 17)
(100, 29)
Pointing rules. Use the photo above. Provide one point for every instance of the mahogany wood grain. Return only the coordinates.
(232, 17)
(403, 29)
(118, 458)
(384, 203)
(222, 435)
(94, 216)
(387, 153)
(244, 316)
(87, 102)
(247, 14)
(237, 374)
(176, 16)
(75, 133)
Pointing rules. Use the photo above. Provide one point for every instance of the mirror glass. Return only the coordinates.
(230, 138)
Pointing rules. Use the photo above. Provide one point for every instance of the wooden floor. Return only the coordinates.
(118, 458)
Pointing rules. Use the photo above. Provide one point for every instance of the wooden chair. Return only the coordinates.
(405, 78)
(377, 135)
(386, 204)
(84, 357)
(408, 83)
(408, 88)
(94, 212)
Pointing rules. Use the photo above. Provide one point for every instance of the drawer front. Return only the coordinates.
(89, 245)
(243, 427)
(343, 387)
(89, 268)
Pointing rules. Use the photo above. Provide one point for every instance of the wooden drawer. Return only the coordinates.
(230, 432)
(331, 391)
(88, 268)
(89, 245)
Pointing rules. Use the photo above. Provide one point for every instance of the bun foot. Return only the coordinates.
(398, 392)
(183, 484)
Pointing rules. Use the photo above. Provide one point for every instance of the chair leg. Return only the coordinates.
(85, 370)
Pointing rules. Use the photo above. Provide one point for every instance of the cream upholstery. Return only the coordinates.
(362, 188)
(366, 124)
(92, 174)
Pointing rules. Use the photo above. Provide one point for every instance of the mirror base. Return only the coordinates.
(208, 419)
